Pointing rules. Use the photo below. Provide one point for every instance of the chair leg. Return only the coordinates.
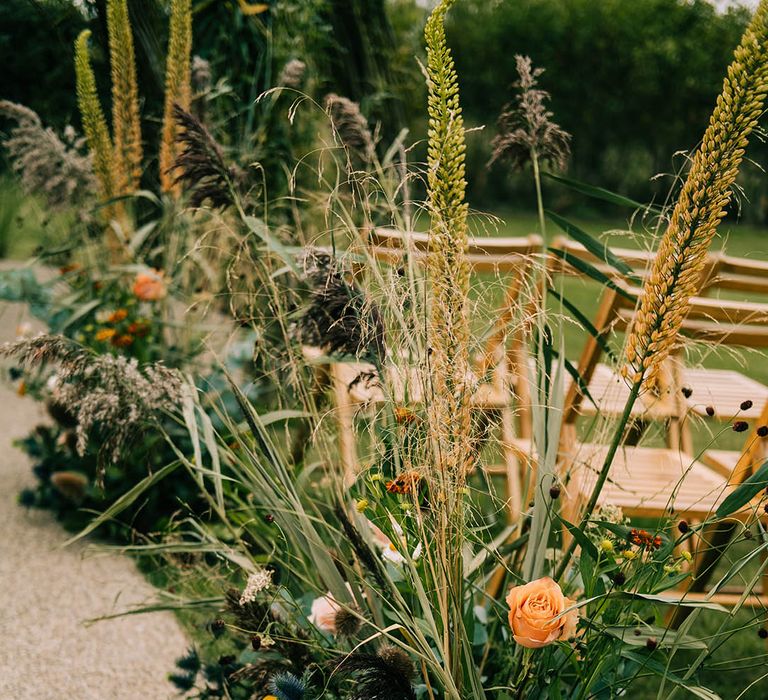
(345, 414)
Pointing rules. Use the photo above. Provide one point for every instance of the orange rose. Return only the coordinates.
(534, 610)
(149, 286)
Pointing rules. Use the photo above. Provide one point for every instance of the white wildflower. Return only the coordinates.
(257, 582)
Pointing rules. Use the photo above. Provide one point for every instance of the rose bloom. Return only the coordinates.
(149, 286)
(533, 611)
(323, 613)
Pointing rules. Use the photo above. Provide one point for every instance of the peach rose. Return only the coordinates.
(533, 611)
(323, 613)
(149, 286)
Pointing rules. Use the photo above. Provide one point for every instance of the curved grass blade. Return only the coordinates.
(585, 322)
(600, 250)
(591, 271)
(601, 193)
(745, 492)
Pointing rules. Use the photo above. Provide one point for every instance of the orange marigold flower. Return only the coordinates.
(122, 341)
(117, 316)
(149, 286)
(405, 415)
(140, 328)
(105, 334)
(407, 482)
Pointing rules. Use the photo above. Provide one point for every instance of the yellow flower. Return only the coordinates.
(629, 554)
(361, 505)
(105, 334)
(685, 554)
(606, 546)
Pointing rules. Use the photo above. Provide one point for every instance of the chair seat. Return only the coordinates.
(644, 481)
(406, 383)
(724, 390)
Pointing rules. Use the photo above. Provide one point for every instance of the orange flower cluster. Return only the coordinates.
(407, 482)
(405, 415)
(643, 538)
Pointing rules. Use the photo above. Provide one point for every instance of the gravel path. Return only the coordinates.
(46, 592)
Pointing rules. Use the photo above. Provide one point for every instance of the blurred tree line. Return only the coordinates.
(633, 82)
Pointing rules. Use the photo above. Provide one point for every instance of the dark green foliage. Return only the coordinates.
(633, 82)
(37, 72)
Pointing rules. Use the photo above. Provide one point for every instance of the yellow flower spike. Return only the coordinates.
(178, 69)
(256, 9)
(361, 505)
(94, 123)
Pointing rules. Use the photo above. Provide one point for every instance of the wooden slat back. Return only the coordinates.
(484, 254)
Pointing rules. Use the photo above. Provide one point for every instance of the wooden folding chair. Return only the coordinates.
(356, 386)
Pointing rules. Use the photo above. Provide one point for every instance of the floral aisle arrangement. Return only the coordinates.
(407, 575)
(406, 579)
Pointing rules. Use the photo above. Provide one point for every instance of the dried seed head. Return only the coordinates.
(350, 126)
(651, 643)
(710, 411)
(396, 658)
(745, 405)
(683, 527)
(762, 633)
(525, 125)
(740, 426)
(347, 622)
(762, 431)
(687, 392)
(554, 491)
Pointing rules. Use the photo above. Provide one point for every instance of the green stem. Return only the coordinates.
(539, 196)
(603, 476)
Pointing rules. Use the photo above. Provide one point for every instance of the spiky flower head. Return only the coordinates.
(47, 164)
(347, 622)
(178, 90)
(286, 686)
(350, 126)
(386, 675)
(525, 125)
(676, 273)
(94, 123)
(126, 125)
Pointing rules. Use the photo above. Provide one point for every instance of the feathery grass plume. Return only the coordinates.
(126, 126)
(178, 90)
(350, 126)
(47, 164)
(94, 123)
(339, 318)
(111, 396)
(677, 267)
(525, 125)
(200, 163)
(200, 80)
(292, 75)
